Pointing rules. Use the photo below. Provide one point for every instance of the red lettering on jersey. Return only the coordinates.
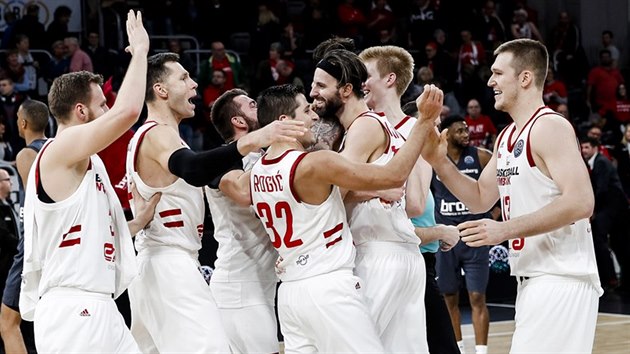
(174, 224)
(517, 244)
(267, 183)
(109, 252)
(200, 230)
(71, 241)
(333, 231)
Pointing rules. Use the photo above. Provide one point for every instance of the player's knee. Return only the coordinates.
(477, 299)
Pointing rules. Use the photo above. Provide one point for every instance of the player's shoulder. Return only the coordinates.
(551, 123)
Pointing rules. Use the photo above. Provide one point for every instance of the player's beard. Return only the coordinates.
(330, 108)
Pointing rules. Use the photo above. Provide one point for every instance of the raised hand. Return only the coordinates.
(430, 103)
(138, 37)
(435, 146)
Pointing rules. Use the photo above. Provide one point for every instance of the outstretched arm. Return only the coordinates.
(561, 162)
(235, 184)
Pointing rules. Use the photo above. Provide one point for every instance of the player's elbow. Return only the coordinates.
(585, 207)
(414, 209)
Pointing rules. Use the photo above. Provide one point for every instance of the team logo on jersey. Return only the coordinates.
(518, 148)
(99, 183)
(302, 260)
(469, 160)
(357, 286)
(84, 313)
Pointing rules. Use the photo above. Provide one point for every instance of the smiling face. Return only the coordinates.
(305, 113)
(181, 90)
(325, 94)
(375, 85)
(504, 82)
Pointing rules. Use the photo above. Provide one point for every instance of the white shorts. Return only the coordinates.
(74, 321)
(555, 314)
(394, 276)
(326, 314)
(172, 308)
(247, 314)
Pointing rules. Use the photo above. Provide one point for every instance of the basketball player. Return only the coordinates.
(319, 303)
(390, 70)
(537, 172)
(167, 250)
(77, 247)
(32, 118)
(243, 282)
(472, 261)
(387, 247)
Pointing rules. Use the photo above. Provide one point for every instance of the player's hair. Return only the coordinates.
(450, 120)
(223, 109)
(347, 68)
(276, 101)
(36, 114)
(331, 44)
(69, 89)
(589, 139)
(157, 71)
(527, 54)
(392, 59)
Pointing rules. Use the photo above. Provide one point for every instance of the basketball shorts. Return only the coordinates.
(74, 321)
(555, 314)
(11, 294)
(172, 308)
(326, 314)
(474, 262)
(247, 315)
(394, 276)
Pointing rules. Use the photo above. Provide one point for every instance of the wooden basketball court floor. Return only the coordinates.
(612, 335)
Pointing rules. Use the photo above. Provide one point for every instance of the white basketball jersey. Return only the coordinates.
(310, 239)
(524, 189)
(178, 218)
(245, 252)
(76, 235)
(376, 220)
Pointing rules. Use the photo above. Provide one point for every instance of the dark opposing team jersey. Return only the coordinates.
(448, 209)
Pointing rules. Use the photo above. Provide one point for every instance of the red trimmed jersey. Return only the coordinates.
(377, 220)
(524, 189)
(178, 218)
(310, 239)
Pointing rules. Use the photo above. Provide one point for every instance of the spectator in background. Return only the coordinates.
(214, 90)
(489, 27)
(6, 151)
(58, 29)
(610, 216)
(440, 64)
(14, 70)
(266, 72)
(59, 64)
(602, 84)
(7, 35)
(31, 66)
(471, 61)
(595, 132)
(555, 91)
(175, 46)
(522, 28)
(98, 54)
(622, 156)
(607, 43)
(351, 20)
(317, 25)
(423, 21)
(567, 55)
(10, 101)
(79, 60)
(30, 26)
(381, 18)
(220, 60)
(482, 130)
(622, 110)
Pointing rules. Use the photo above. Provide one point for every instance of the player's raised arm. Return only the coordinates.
(77, 142)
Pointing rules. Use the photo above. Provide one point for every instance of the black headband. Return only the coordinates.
(332, 69)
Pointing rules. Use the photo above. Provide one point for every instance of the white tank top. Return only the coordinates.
(245, 252)
(376, 220)
(178, 218)
(310, 239)
(78, 242)
(524, 189)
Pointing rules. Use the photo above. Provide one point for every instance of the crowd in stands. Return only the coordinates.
(271, 42)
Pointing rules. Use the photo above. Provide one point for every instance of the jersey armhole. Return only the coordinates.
(292, 176)
(530, 156)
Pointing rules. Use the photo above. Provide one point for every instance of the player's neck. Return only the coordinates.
(29, 136)
(351, 111)
(454, 152)
(525, 107)
(390, 105)
(163, 115)
(278, 149)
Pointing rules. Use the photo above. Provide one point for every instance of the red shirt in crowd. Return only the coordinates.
(479, 129)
